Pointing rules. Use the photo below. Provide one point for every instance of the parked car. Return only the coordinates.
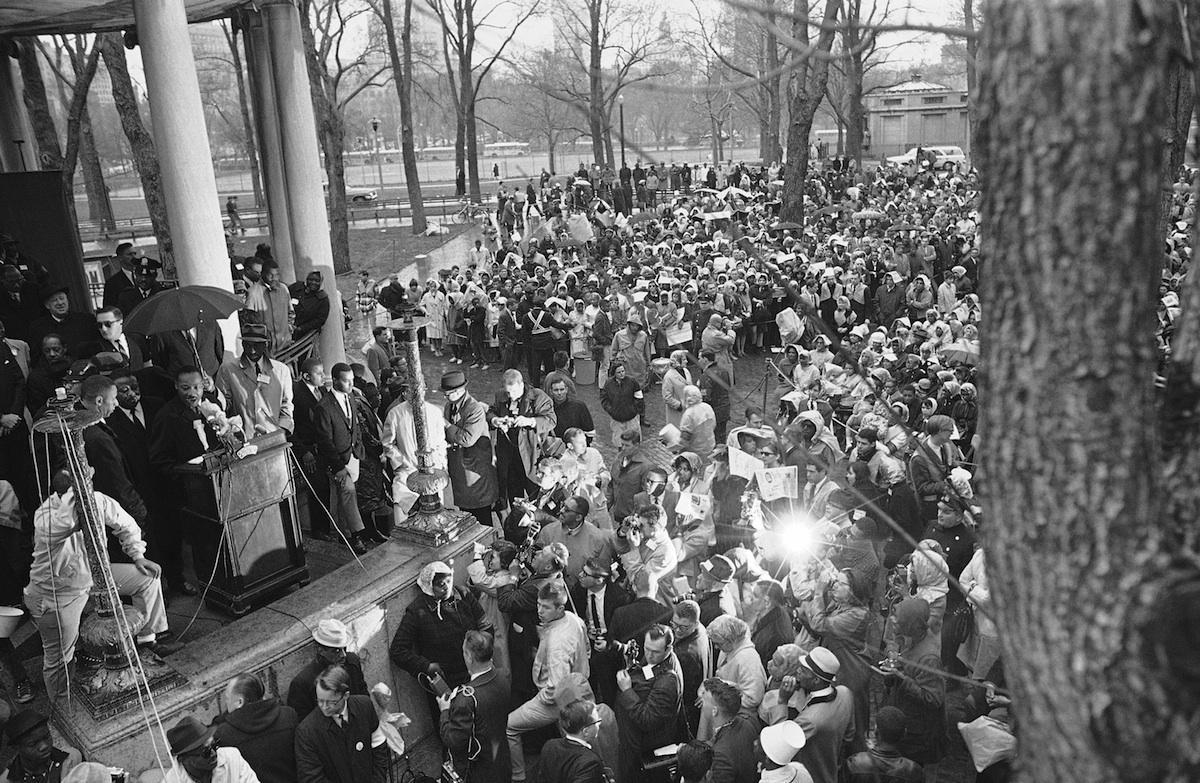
(944, 157)
(360, 195)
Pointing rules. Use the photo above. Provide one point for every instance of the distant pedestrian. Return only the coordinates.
(235, 220)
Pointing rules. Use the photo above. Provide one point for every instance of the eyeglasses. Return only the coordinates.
(332, 702)
(206, 751)
(767, 454)
(107, 324)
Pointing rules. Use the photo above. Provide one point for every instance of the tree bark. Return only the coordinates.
(249, 144)
(972, 44)
(773, 86)
(1082, 571)
(808, 90)
(99, 204)
(331, 131)
(855, 112)
(402, 70)
(145, 160)
(50, 154)
(596, 123)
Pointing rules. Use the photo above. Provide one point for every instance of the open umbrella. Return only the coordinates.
(832, 209)
(965, 351)
(179, 309)
(787, 225)
(867, 214)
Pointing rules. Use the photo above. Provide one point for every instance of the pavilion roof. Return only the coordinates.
(45, 17)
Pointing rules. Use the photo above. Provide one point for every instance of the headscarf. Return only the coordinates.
(425, 582)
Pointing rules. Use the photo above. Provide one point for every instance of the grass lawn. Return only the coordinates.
(382, 251)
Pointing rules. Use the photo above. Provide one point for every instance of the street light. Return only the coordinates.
(378, 157)
(621, 104)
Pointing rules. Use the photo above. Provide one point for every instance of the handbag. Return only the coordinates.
(960, 623)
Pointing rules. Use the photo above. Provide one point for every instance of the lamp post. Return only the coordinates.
(378, 157)
(428, 522)
(621, 111)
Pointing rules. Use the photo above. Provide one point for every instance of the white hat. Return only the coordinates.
(332, 633)
(821, 662)
(781, 742)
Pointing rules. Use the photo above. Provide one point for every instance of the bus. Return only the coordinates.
(436, 153)
(504, 149)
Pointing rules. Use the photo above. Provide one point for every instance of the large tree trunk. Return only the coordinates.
(49, 150)
(1180, 107)
(808, 88)
(99, 204)
(972, 44)
(855, 112)
(331, 132)
(248, 144)
(596, 124)
(145, 160)
(402, 70)
(1080, 562)
(774, 84)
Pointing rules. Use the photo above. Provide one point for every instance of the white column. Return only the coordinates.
(311, 248)
(262, 90)
(14, 121)
(181, 142)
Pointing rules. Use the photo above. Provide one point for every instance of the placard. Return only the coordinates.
(743, 464)
(775, 483)
(693, 505)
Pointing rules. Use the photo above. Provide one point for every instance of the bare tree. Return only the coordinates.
(50, 155)
(338, 72)
(243, 98)
(537, 115)
(807, 88)
(462, 21)
(145, 160)
(621, 32)
(401, 57)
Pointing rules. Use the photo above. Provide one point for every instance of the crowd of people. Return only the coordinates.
(780, 585)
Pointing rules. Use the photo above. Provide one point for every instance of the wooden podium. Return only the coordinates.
(245, 534)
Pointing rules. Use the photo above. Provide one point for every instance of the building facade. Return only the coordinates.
(917, 113)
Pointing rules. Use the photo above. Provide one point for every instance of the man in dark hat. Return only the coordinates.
(258, 388)
(473, 477)
(19, 303)
(37, 758)
(146, 285)
(75, 329)
(200, 759)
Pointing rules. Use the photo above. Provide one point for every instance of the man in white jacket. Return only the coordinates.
(60, 580)
(563, 648)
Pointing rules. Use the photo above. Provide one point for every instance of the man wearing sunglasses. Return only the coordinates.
(200, 760)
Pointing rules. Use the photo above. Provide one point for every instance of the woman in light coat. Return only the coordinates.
(674, 381)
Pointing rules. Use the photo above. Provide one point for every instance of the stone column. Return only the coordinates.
(14, 121)
(262, 91)
(181, 141)
(311, 248)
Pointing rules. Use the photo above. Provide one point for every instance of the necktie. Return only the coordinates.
(595, 612)
(122, 347)
(338, 720)
(137, 419)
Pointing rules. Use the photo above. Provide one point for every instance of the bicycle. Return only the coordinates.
(470, 213)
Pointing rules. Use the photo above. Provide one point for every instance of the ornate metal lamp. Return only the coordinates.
(428, 522)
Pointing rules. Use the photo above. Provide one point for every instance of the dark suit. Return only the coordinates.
(264, 732)
(567, 761)
(163, 531)
(174, 350)
(648, 715)
(602, 665)
(304, 441)
(131, 297)
(327, 753)
(302, 690)
(112, 476)
(15, 459)
(733, 761)
(19, 316)
(484, 718)
(173, 441)
(115, 286)
(136, 359)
